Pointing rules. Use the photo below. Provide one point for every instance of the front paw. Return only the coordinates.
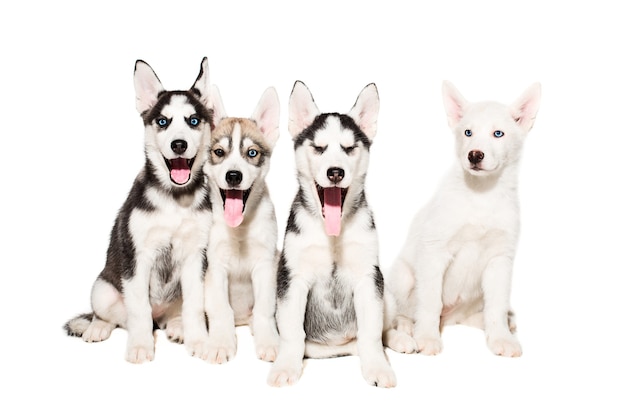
(282, 375)
(140, 353)
(199, 348)
(507, 346)
(380, 375)
(221, 349)
(267, 346)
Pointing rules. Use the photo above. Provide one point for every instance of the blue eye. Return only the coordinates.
(194, 121)
(468, 133)
(162, 121)
(498, 133)
(252, 153)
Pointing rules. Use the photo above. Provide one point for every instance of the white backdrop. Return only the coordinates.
(72, 145)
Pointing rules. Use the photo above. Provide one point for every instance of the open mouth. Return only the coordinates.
(180, 169)
(234, 205)
(332, 199)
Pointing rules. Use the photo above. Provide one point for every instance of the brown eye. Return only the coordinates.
(219, 152)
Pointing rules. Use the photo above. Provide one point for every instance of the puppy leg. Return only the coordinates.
(429, 270)
(222, 336)
(140, 344)
(263, 313)
(497, 288)
(193, 317)
(287, 368)
(368, 307)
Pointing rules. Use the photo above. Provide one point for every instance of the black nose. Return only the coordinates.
(234, 178)
(335, 174)
(475, 156)
(179, 146)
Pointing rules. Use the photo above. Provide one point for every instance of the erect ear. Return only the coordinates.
(267, 116)
(453, 102)
(365, 110)
(524, 109)
(302, 109)
(201, 87)
(219, 112)
(147, 86)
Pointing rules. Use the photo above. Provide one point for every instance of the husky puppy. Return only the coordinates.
(329, 284)
(156, 259)
(457, 261)
(240, 282)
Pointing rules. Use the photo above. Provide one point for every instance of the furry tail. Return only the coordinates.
(78, 325)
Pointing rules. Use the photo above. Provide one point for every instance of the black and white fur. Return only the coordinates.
(329, 284)
(156, 259)
(240, 282)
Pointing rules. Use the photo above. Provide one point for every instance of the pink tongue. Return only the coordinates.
(233, 207)
(180, 171)
(332, 210)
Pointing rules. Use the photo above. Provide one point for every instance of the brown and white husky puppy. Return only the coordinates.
(240, 282)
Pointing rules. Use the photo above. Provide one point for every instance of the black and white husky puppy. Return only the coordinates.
(240, 282)
(156, 259)
(329, 284)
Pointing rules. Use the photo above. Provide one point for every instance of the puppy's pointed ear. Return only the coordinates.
(302, 109)
(453, 102)
(365, 110)
(147, 86)
(219, 111)
(201, 87)
(525, 108)
(267, 116)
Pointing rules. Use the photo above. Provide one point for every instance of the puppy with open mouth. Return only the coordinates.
(329, 284)
(240, 283)
(157, 250)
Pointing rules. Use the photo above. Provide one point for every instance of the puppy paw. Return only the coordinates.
(267, 353)
(267, 346)
(400, 342)
(140, 353)
(284, 375)
(505, 346)
(198, 348)
(221, 350)
(174, 330)
(429, 345)
(97, 331)
(380, 376)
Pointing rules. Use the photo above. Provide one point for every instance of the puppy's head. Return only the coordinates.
(240, 153)
(332, 150)
(177, 124)
(489, 135)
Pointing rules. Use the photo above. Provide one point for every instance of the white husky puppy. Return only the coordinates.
(330, 287)
(240, 282)
(157, 252)
(457, 261)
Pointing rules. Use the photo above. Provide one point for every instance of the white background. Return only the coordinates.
(72, 145)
